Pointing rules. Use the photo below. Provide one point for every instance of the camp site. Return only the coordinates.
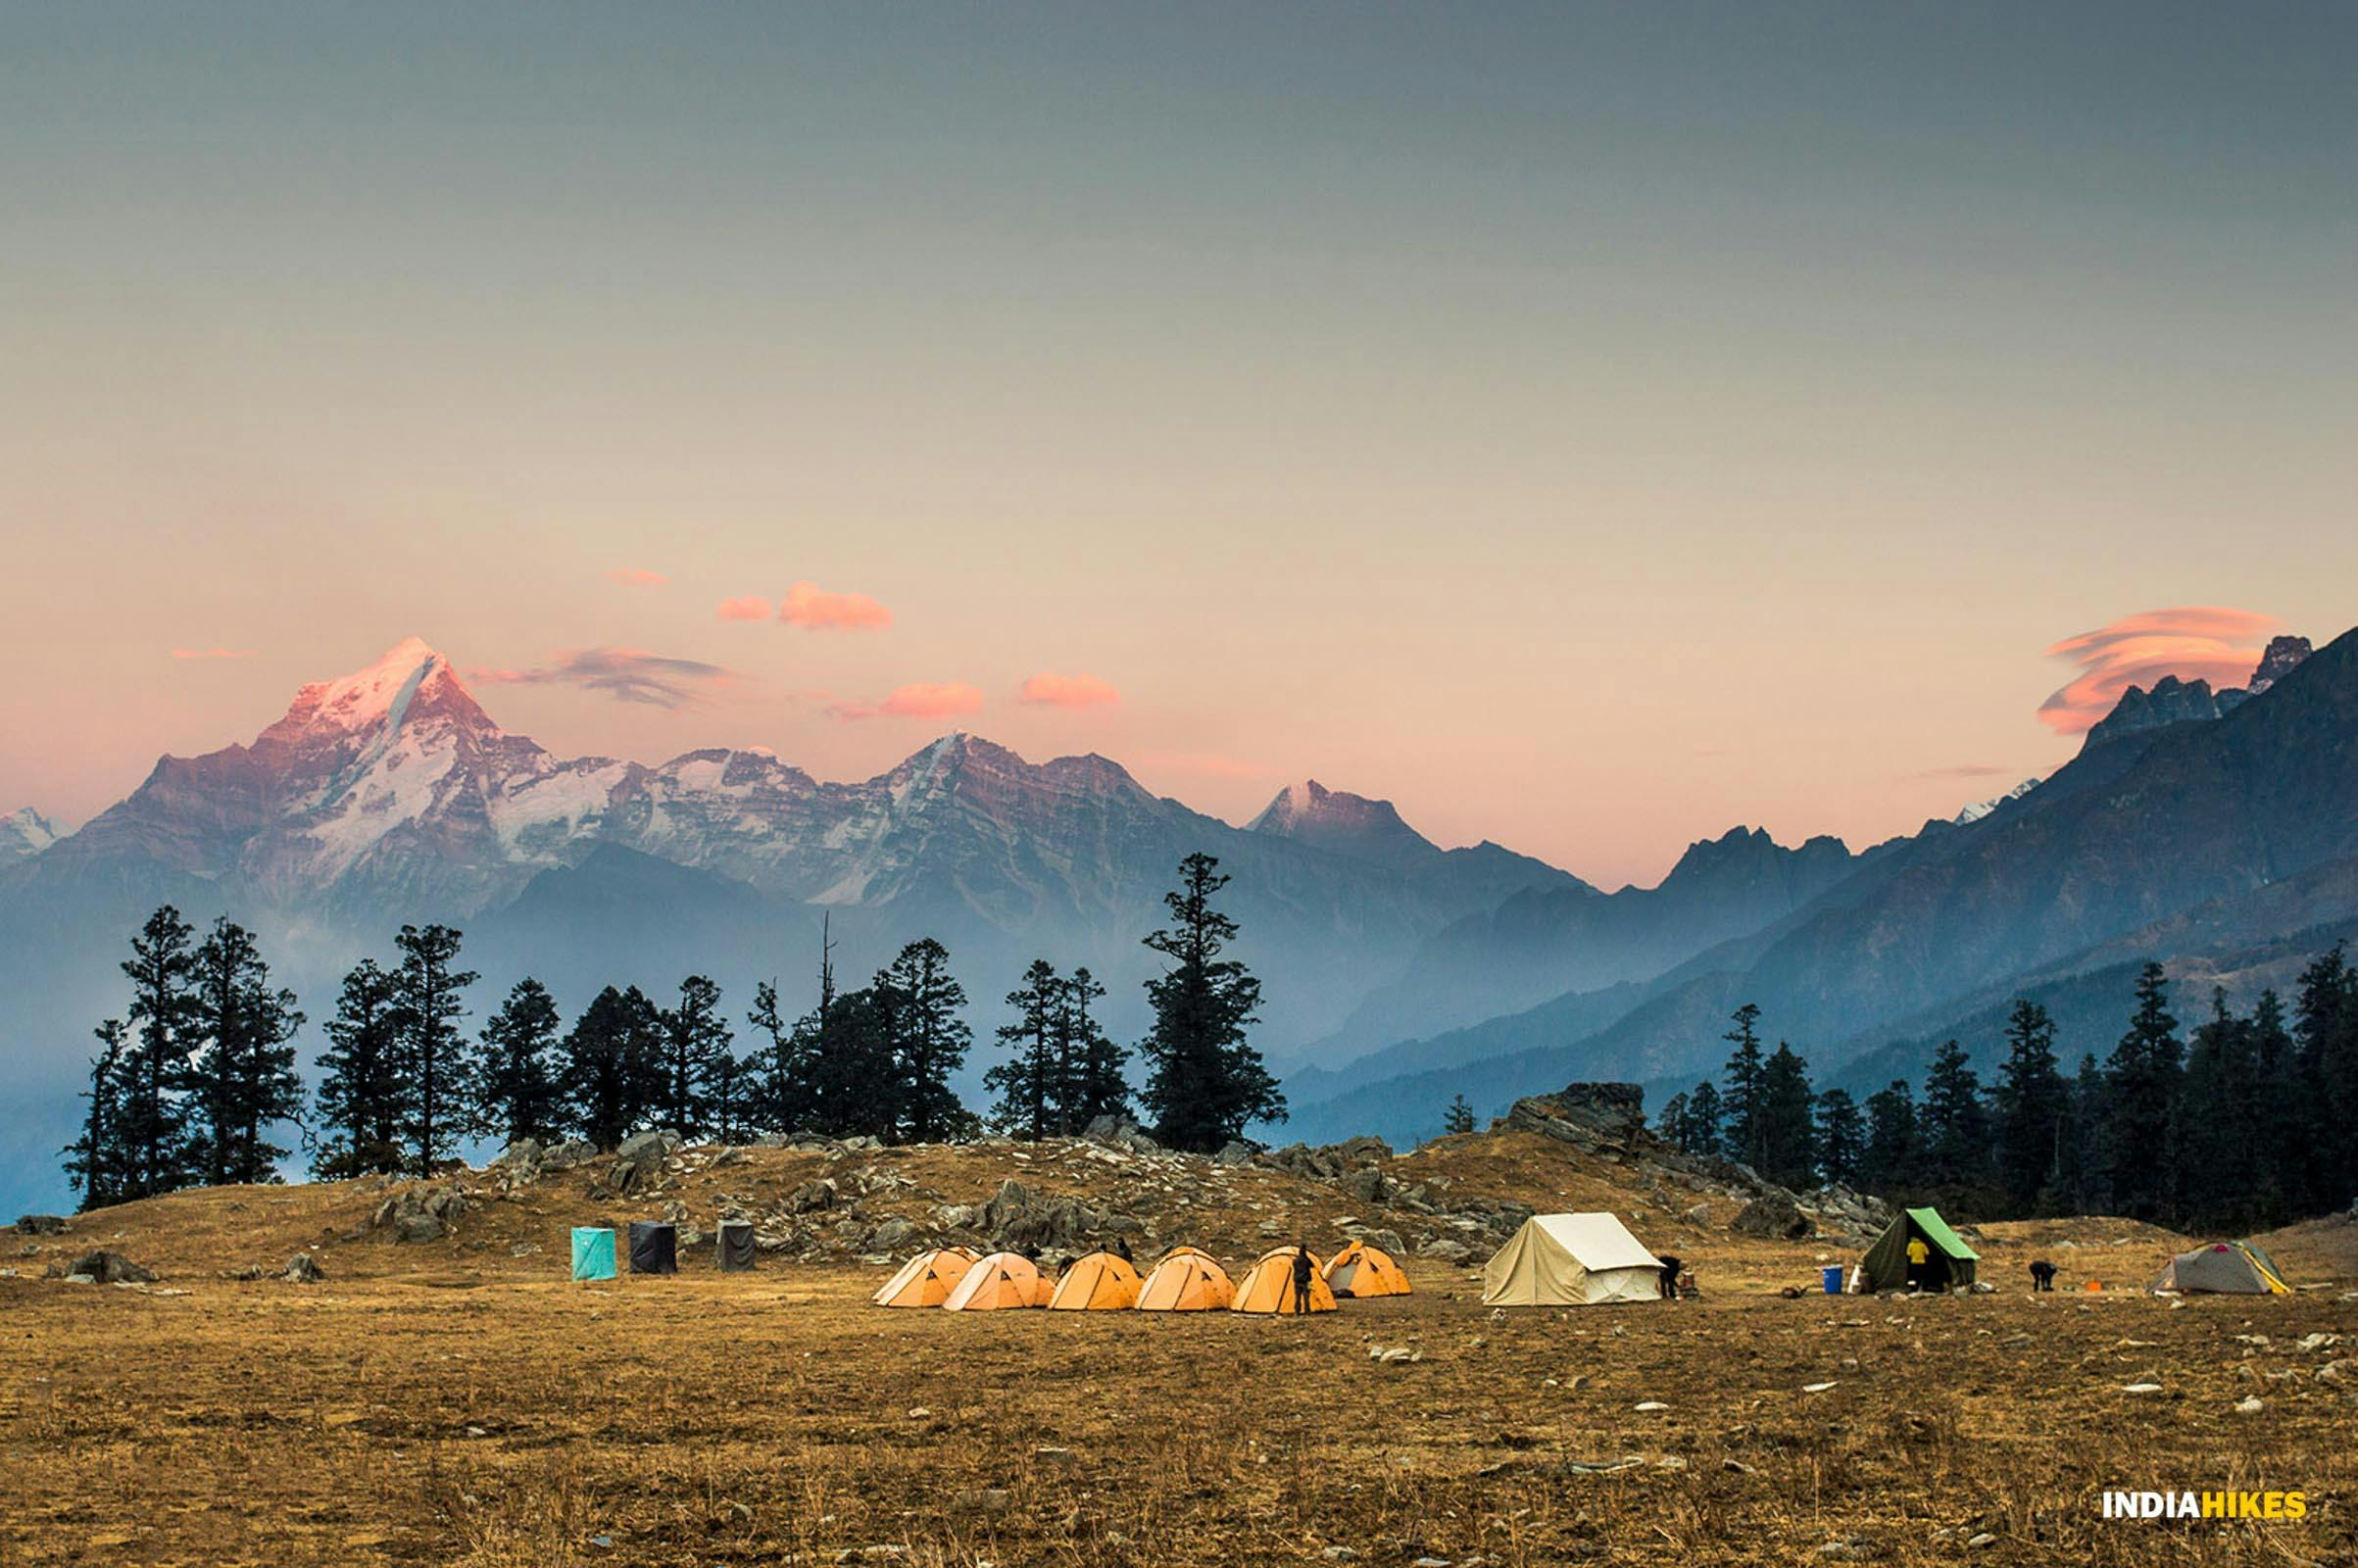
(1012, 1352)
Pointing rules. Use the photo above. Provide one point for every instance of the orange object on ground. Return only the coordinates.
(927, 1279)
(1361, 1271)
(1187, 1280)
(1268, 1286)
(1101, 1282)
(1001, 1280)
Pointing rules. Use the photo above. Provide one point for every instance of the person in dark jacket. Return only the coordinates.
(1122, 1250)
(1302, 1279)
(2042, 1275)
(1669, 1283)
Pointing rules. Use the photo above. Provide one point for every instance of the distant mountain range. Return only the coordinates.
(1397, 972)
(2225, 828)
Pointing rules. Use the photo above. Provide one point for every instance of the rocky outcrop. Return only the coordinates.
(41, 1225)
(420, 1213)
(1120, 1132)
(1588, 1115)
(1851, 1219)
(103, 1268)
(1327, 1163)
(303, 1269)
(1021, 1219)
(639, 1163)
(1773, 1214)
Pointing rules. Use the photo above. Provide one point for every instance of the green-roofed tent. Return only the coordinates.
(1886, 1266)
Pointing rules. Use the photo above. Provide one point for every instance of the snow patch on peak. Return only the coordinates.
(369, 698)
(1981, 809)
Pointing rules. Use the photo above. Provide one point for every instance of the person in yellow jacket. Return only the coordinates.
(1920, 1256)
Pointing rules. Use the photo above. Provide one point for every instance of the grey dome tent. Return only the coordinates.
(2226, 1268)
(1886, 1266)
(733, 1248)
(654, 1247)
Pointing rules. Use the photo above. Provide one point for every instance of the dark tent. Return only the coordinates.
(1949, 1261)
(654, 1247)
(733, 1249)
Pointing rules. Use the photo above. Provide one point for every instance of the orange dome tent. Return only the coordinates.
(1101, 1282)
(1361, 1271)
(927, 1279)
(1268, 1286)
(1001, 1280)
(1187, 1280)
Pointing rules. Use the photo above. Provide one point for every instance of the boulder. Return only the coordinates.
(1120, 1132)
(812, 1196)
(420, 1213)
(888, 1236)
(110, 1268)
(564, 1157)
(1021, 1219)
(639, 1163)
(303, 1269)
(41, 1225)
(524, 1154)
(1850, 1217)
(1773, 1214)
(1368, 1184)
(1588, 1115)
(1236, 1151)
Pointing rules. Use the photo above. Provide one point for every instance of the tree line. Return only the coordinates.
(190, 1086)
(2241, 1123)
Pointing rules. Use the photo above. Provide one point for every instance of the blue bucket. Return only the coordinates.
(1834, 1280)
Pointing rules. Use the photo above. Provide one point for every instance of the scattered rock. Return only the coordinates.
(303, 1269)
(2140, 1389)
(982, 1500)
(103, 1268)
(2250, 1405)
(41, 1225)
(1648, 1406)
(1236, 1151)
(420, 1213)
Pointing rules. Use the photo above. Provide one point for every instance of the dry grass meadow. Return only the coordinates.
(460, 1404)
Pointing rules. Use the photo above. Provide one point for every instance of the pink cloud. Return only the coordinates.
(1045, 690)
(814, 609)
(920, 701)
(753, 606)
(213, 653)
(633, 577)
(2206, 642)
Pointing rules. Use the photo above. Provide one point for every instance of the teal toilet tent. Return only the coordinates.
(593, 1252)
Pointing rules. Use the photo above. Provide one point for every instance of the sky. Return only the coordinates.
(1588, 426)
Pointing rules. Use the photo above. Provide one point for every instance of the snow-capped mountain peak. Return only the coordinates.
(410, 677)
(24, 833)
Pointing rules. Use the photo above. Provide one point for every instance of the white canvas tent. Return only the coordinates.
(1571, 1260)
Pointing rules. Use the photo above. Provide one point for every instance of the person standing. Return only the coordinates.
(1302, 1279)
(1667, 1283)
(1920, 1256)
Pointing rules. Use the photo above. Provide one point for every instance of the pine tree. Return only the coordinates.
(923, 1009)
(1892, 1156)
(694, 1037)
(2142, 1077)
(2279, 1157)
(1458, 1120)
(242, 1078)
(1206, 1082)
(1952, 1126)
(2032, 1110)
(2082, 1178)
(2219, 1135)
(2325, 1032)
(159, 1155)
(783, 1077)
(1746, 1134)
(516, 1094)
(855, 1078)
(1788, 1130)
(1101, 1085)
(736, 1099)
(94, 1161)
(612, 1074)
(1702, 1130)
(1841, 1136)
(429, 1001)
(1030, 1082)
(364, 1099)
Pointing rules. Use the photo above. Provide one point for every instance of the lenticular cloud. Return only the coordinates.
(2206, 642)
